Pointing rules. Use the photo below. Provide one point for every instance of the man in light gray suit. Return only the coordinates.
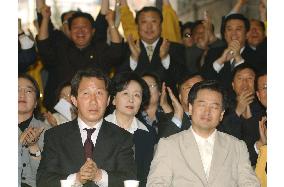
(201, 155)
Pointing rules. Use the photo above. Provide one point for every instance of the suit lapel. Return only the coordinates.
(220, 153)
(73, 138)
(103, 143)
(192, 156)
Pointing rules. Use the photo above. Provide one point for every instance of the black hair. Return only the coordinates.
(36, 111)
(122, 80)
(65, 13)
(199, 22)
(59, 89)
(261, 24)
(79, 14)
(149, 9)
(88, 73)
(186, 78)
(187, 25)
(210, 85)
(225, 19)
(261, 74)
(242, 67)
(155, 77)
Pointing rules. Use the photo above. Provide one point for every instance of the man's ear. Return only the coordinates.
(222, 115)
(93, 31)
(189, 108)
(74, 100)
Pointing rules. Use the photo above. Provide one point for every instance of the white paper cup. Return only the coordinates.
(66, 183)
(131, 183)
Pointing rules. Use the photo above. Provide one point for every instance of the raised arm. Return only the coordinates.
(114, 34)
(43, 29)
(170, 25)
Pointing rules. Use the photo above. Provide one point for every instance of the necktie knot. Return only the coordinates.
(89, 132)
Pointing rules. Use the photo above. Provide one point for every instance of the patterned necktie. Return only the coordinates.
(150, 51)
(88, 145)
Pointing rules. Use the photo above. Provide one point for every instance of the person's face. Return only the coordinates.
(26, 97)
(149, 26)
(255, 35)
(185, 88)
(128, 101)
(65, 93)
(235, 30)
(206, 111)
(65, 27)
(92, 100)
(81, 32)
(262, 90)
(198, 33)
(243, 81)
(187, 38)
(154, 91)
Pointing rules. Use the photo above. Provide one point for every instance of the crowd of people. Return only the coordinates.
(170, 104)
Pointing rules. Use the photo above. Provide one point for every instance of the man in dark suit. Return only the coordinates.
(152, 53)
(242, 117)
(180, 119)
(108, 158)
(220, 62)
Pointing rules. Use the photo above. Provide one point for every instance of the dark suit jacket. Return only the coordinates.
(63, 154)
(175, 71)
(244, 129)
(168, 128)
(225, 74)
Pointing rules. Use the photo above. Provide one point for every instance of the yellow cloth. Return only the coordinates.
(261, 165)
(170, 25)
(128, 23)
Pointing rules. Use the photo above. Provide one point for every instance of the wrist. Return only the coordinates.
(98, 175)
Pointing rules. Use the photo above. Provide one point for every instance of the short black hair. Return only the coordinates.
(79, 14)
(186, 78)
(261, 74)
(149, 9)
(88, 73)
(122, 80)
(155, 77)
(199, 22)
(187, 25)
(65, 13)
(59, 89)
(225, 19)
(210, 85)
(261, 24)
(240, 68)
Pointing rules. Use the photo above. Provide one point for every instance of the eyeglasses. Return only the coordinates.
(187, 35)
(263, 88)
(65, 22)
(26, 90)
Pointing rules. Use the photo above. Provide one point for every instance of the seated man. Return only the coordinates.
(89, 151)
(201, 155)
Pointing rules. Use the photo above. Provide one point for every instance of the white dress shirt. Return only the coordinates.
(104, 180)
(165, 61)
(136, 124)
(26, 42)
(217, 67)
(205, 147)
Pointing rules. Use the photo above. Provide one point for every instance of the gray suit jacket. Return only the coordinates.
(177, 163)
(27, 166)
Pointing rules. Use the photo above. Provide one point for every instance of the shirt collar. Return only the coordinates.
(83, 125)
(199, 139)
(153, 44)
(136, 124)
